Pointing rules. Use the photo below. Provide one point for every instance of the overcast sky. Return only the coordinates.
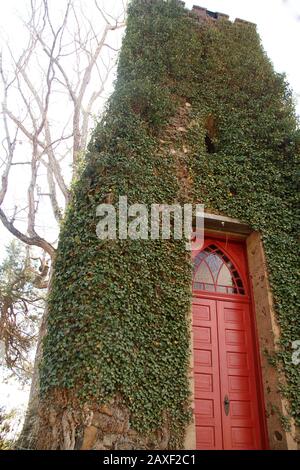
(278, 23)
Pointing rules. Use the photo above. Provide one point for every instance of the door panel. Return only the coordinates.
(206, 375)
(241, 428)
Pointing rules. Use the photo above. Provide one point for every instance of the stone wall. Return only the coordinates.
(104, 427)
(206, 15)
(268, 338)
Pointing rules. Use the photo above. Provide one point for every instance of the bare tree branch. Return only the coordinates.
(65, 56)
(32, 241)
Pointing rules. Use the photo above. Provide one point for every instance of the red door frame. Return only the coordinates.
(247, 298)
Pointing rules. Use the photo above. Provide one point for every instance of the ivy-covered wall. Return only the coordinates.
(198, 115)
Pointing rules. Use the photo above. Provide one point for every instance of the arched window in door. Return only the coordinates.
(214, 272)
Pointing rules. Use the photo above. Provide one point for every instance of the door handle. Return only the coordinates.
(226, 405)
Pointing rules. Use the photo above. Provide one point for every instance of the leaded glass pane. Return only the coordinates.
(203, 274)
(225, 278)
(214, 272)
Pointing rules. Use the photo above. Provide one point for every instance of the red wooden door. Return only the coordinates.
(206, 375)
(227, 386)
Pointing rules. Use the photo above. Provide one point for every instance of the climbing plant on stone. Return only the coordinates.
(198, 115)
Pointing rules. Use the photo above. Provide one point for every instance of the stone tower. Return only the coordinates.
(198, 115)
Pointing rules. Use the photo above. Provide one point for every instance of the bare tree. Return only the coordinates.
(50, 94)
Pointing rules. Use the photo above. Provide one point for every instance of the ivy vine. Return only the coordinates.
(119, 309)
